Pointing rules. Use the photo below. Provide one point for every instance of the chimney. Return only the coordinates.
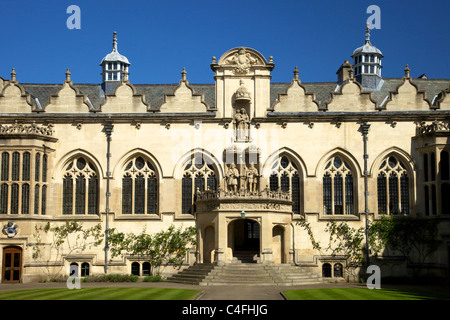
(343, 72)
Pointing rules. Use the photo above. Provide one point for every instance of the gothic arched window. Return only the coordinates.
(80, 187)
(393, 187)
(338, 188)
(285, 177)
(197, 175)
(139, 187)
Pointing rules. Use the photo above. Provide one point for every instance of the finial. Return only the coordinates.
(13, 74)
(213, 60)
(296, 73)
(114, 41)
(271, 59)
(407, 71)
(183, 74)
(367, 33)
(68, 75)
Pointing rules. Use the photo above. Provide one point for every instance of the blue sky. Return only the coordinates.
(161, 37)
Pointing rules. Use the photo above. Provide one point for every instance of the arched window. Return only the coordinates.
(393, 187)
(196, 175)
(285, 177)
(146, 269)
(136, 269)
(337, 270)
(338, 188)
(326, 270)
(139, 188)
(80, 188)
(85, 269)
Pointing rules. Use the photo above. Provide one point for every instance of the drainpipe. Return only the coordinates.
(108, 129)
(364, 128)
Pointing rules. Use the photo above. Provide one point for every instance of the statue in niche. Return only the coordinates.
(252, 177)
(242, 60)
(232, 177)
(241, 124)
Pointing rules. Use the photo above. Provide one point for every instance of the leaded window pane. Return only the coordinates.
(80, 195)
(212, 182)
(67, 195)
(44, 200)
(393, 194)
(5, 166)
(25, 199)
(273, 182)
(4, 199)
(199, 183)
(152, 195)
(327, 194)
(425, 167)
(427, 200)
(349, 205)
(127, 194)
(44, 168)
(92, 195)
(186, 194)
(26, 166)
(139, 195)
(433, 166)
(14, 198)
(295, 183)
(444, 165)
(338, 195)
(381, 188)
(433, 200)
(404, 192)
(36, 199)
(15, 167)
(37, 172)
(284, 182)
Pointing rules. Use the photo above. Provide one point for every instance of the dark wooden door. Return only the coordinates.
(12, 264)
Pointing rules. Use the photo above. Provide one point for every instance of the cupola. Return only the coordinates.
(114, 68)
(367, 64)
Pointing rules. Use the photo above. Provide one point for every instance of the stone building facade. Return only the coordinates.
(242, 160)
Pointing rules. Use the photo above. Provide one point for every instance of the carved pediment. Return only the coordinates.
(241, 60)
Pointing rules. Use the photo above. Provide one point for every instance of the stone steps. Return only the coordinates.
(254, 274)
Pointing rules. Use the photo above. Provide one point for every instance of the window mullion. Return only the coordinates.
(145, 194)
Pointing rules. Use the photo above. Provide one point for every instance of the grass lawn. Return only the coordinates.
(100, 294)
(365, 294)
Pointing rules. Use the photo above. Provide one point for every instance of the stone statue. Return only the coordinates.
(242, 124)
(232, 176)
(252, 177)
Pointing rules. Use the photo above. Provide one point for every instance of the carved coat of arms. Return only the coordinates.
(10, 229)
(243, 61)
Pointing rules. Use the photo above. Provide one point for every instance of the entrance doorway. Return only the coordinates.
(244, 237)
(12, 264)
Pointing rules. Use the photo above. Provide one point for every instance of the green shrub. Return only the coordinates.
(152, 278)
(112, 278)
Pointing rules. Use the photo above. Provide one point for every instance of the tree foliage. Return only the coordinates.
(167, 247)
(415, 238)
(62, 241)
